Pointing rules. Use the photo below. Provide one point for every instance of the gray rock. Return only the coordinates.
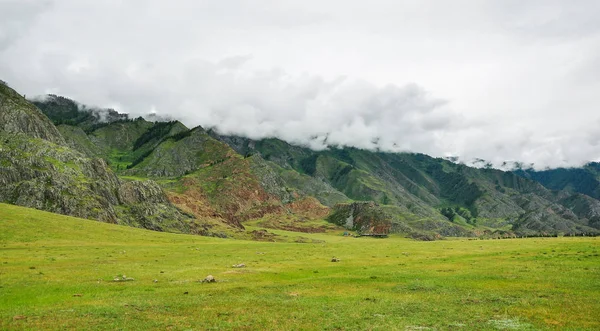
(209, 279)
(17, 115)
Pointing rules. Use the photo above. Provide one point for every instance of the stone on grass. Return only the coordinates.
(209, 279)
(241, 265)
(123, 278)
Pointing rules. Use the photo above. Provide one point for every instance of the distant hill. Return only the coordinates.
(419, 190)
(584, 180)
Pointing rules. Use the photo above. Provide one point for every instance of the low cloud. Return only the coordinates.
(307, 110)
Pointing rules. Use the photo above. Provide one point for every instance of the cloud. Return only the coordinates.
(501, 82)
(16, 17)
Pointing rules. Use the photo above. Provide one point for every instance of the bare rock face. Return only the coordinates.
(364, 217)
(40, 174)
(144, 204)
(133, 192)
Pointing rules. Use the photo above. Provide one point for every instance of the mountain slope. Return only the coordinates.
(201, 175)
(200, 170)
(39, 170)
(17, 115)
(417, 187)
(585, 180)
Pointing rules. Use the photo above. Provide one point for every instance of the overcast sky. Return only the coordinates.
(504, 80)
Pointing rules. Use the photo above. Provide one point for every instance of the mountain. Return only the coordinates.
(19, 117)
(38, 169)
(62, 156)
(200, 175)
(61, 110)
(584, 180)
(416, 188)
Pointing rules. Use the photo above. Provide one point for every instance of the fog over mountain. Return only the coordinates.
(496, 80)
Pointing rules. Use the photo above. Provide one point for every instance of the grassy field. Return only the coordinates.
(57, 272)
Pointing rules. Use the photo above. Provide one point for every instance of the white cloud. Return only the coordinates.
(16, 16)
(498, 80)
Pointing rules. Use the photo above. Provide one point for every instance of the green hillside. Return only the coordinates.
(417, 188)
(585, 180)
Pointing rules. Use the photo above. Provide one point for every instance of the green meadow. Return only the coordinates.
(58, 272)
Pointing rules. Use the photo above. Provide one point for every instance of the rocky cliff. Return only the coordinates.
(363, 217)
(17, 115)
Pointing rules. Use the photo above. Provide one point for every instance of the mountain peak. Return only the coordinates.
(17, 115)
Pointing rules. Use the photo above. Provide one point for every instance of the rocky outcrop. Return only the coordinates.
(134, 192)
(40, 174)
(144, 204)
(363, 217)
(584, 206)
(17, 115)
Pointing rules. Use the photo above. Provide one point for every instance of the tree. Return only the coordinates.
(449, 213)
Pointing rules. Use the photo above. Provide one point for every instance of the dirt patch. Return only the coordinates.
(309, 207)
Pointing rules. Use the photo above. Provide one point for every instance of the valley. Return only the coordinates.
(299, 165)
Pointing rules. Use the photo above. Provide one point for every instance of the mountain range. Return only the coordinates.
(64, 157)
